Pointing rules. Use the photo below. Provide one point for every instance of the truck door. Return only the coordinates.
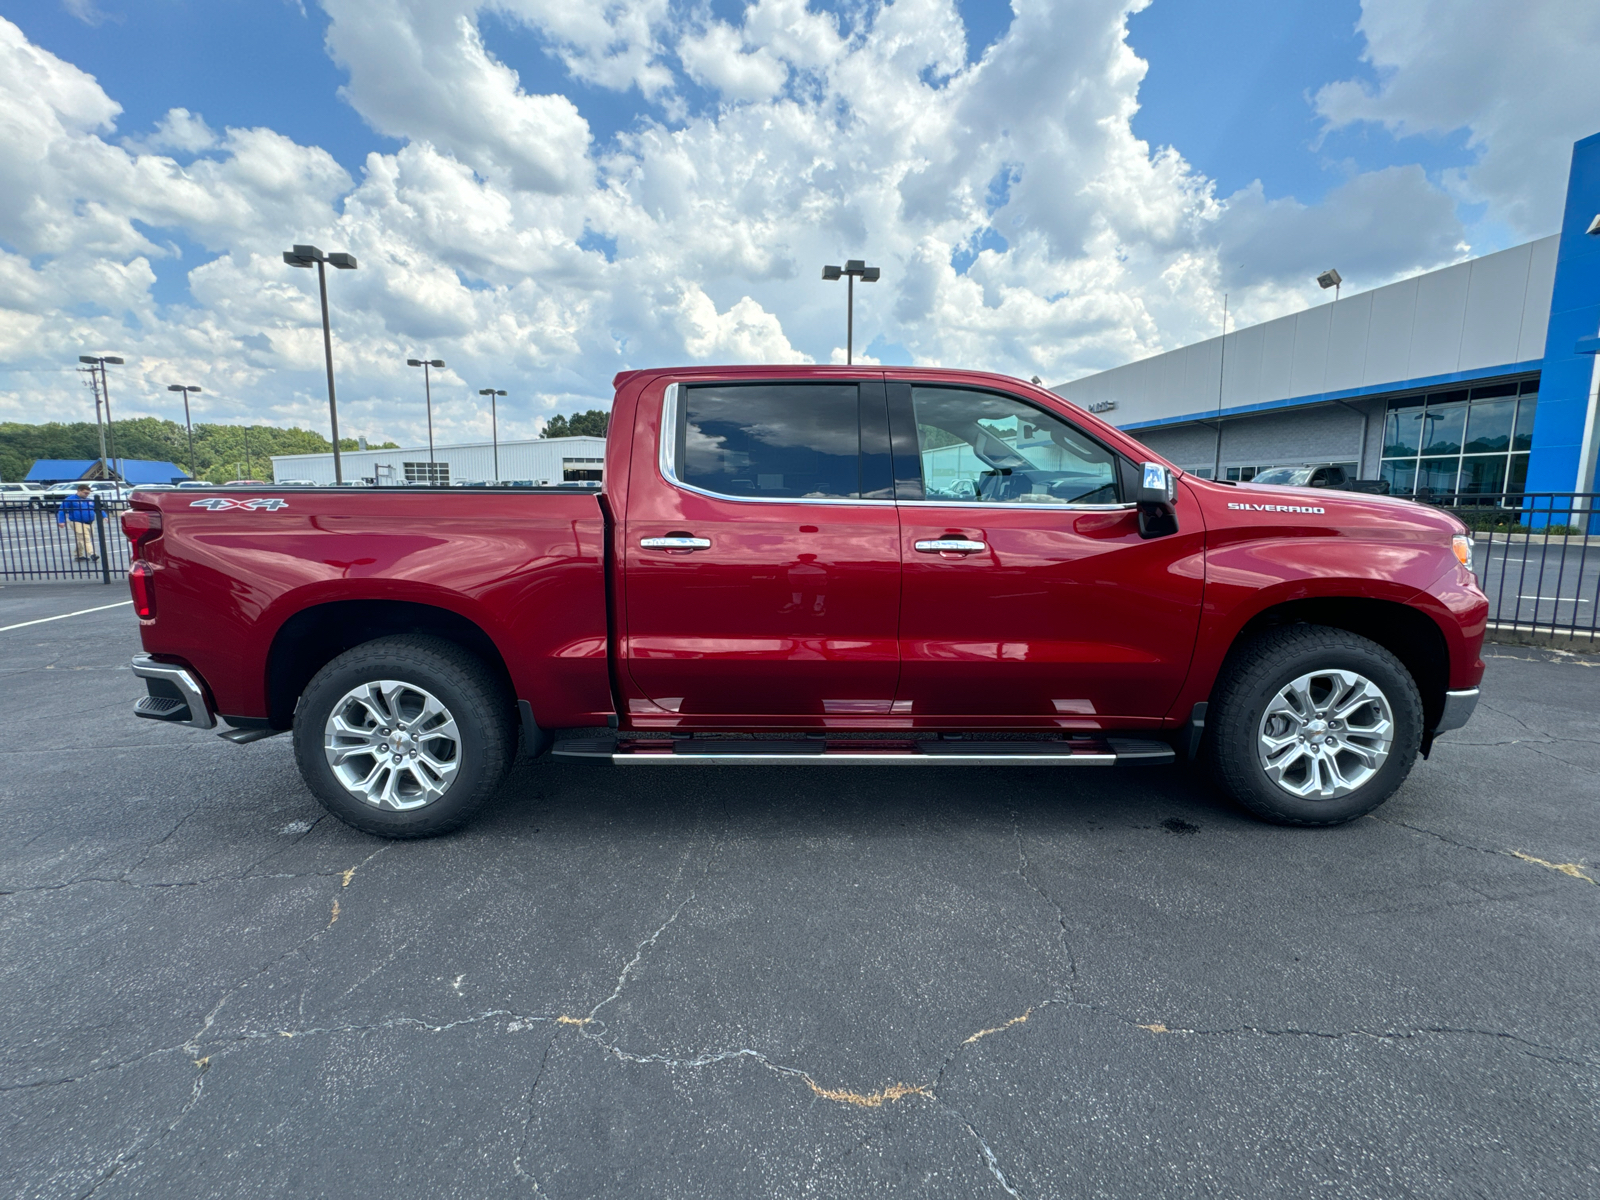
(1027, 590)
(762, 554)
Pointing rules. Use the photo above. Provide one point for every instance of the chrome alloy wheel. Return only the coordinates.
(392, 744)
(1325, 734)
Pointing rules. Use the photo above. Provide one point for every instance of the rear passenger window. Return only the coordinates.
(795, 441)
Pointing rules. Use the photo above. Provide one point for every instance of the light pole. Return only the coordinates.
(105, 391)
(1330, 279)
(186, 389)
(494, 426)
(305, 256)
(853, 269)
(427, 392)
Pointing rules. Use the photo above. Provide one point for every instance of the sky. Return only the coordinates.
(543, 193)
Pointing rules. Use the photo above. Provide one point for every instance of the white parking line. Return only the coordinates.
(1558, 599)
(64, 616)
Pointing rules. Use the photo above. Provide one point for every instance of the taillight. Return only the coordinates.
(140, 525)
(142, 583)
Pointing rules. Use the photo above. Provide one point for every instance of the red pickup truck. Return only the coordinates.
(819, 566)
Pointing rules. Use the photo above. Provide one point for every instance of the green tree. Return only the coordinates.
(585, 424)
(222, 452)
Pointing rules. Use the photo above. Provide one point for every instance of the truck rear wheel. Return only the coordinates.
(404, 736)
(1314, 726)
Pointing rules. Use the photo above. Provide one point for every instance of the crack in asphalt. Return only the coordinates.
(129, 1157)
(1573, 870)
(1553, 1054)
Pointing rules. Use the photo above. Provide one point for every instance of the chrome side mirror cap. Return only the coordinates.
(1157, 500)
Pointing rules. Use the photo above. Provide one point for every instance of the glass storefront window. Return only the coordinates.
(1442, 426)
(1466, 441)
(1483, 473)
(1438, 474)
(1518, 476)
(1489, 426)
(1522, 439)
(1401, 474)
(1402, 432)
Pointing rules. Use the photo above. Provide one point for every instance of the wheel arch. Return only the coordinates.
(315, 636)
(1409, 634)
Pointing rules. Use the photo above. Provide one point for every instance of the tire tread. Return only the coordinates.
(1248, 669)
(485, 706)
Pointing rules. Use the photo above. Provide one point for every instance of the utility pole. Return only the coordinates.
(94, 384)
(105, 390)
(186, 389)
(1222, 361)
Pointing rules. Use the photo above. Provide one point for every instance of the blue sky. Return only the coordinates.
(1229, 84)
(658, 181)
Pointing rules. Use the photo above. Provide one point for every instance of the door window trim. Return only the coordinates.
(1120, 506)
(668, 451)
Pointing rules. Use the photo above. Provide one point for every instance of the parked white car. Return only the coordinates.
(21, 495)
(109, 491)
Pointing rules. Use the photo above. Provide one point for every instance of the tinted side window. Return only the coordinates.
(981, 446)
(772, 441)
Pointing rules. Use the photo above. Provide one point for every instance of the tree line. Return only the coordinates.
(222, 452)
(585, 424)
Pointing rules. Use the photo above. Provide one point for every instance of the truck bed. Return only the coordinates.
(243, 576)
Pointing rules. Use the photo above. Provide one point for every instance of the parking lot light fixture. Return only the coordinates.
(427, 393)
(309, 256)
(1330, 279)
(186, 389)
(853, 269)
(494, 425)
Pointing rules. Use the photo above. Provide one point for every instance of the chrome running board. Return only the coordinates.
(1093, 751)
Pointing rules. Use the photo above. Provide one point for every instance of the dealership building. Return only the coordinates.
(542, 462)
(1480, 377)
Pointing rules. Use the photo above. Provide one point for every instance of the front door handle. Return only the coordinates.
(681, 542)
(951, 546)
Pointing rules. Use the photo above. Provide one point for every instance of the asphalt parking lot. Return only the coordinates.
(746, 983)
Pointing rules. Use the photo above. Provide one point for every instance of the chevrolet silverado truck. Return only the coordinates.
(816, 566)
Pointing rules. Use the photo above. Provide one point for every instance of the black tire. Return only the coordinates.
(1253, 677)
(476, 700)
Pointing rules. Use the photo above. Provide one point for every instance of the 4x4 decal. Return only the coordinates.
(224, 503)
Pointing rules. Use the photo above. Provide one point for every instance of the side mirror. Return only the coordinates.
(1157, 499)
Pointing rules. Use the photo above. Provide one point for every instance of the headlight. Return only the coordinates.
(1463, 548)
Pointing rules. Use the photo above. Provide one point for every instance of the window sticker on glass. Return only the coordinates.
(771, 441)
(980, 447)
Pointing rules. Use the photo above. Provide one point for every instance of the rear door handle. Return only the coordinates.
(951, 546)
(676, 541)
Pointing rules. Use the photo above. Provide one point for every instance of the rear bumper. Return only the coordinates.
(175, 695)
(1458, 708)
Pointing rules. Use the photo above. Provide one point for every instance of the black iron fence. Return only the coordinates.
(35, 543)
(1537, 557)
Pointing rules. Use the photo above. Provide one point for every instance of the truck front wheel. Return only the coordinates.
(1314, 726)
(403, 736)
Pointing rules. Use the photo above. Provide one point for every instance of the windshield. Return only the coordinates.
(1285, 476)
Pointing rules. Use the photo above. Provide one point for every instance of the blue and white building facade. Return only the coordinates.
(1480, 377)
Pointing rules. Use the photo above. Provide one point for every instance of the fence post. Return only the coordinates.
(100, 528)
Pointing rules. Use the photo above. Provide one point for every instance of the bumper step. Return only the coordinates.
(1091, 751)
(162, 708)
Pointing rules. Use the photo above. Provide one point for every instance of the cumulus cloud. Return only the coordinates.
(1019, 223)
(1520, 78)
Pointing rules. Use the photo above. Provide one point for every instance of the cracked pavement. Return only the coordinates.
(770, 982)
